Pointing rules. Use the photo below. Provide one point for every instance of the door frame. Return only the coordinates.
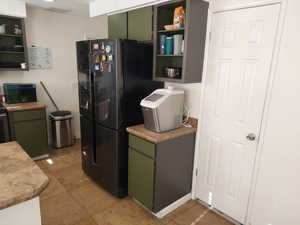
(272, 76)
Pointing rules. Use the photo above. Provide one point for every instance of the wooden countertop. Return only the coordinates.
(20, 178)
(142, 132)
(24, 106)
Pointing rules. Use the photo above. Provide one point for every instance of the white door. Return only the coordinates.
(240, 57)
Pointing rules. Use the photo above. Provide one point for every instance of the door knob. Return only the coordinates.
(251, 137)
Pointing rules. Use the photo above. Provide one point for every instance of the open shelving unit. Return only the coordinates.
(194, 35)
(180, 30)
(13, 49)
(11, 35)
(169, 55)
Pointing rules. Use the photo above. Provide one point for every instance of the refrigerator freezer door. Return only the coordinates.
(111, 159)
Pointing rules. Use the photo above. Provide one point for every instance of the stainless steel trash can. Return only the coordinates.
(61, 124)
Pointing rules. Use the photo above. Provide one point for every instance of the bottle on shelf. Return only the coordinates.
(170, 45)
(163, 44)
(178, 38)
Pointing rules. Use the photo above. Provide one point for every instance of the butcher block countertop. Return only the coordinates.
(156, 138)
(20, 178)
(24, 106)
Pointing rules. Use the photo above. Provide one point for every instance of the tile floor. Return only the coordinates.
(72, 199)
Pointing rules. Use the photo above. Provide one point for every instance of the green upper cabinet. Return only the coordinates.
(140, 24)
(135, 25)
(117, 26)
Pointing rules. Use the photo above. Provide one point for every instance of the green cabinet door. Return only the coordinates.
(29, 115)
(117, 26)
(140, 24)
(141, 178)
(32, 136)
(142, 145)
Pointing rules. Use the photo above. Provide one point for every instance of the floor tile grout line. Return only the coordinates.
(92, 216)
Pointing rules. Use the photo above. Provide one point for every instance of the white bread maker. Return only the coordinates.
(163, 109)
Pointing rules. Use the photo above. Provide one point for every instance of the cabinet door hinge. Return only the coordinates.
(197, 172)
(209, 36)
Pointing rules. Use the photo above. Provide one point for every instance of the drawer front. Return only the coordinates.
(141, 178)
(29, 115)
(141, 145)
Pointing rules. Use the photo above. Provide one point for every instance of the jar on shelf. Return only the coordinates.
(17, 30)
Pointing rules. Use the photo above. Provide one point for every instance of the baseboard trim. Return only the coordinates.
(40, 157)
(162, 213)
(228, 218)
(173, 206)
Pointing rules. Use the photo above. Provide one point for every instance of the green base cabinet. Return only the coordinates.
(29, 129)
(160, 174)
(141, 177)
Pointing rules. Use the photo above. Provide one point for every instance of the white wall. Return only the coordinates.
(192, 97)
(59, 32)
(13, 8)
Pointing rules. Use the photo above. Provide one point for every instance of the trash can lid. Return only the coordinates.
(61, 115)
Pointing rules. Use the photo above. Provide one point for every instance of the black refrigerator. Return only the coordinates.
(113, 76)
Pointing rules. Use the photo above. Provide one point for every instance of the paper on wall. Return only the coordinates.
(40, 58)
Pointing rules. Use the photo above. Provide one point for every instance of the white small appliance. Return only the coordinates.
(163, 109)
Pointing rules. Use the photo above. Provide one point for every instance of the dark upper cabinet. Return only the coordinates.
(188, 62)
(13, 48)
(135, 25)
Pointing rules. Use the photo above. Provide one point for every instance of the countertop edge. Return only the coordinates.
(20, 200)
(24, 106)
(133, 131)
(30, 193)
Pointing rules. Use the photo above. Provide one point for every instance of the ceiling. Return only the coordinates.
(73, 7)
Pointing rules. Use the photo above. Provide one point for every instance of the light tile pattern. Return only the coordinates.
(73, 199)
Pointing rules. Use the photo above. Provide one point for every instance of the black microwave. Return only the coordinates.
(19, 93)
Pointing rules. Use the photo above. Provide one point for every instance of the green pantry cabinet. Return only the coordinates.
(160, 173)
(29, 129)
(135, 25)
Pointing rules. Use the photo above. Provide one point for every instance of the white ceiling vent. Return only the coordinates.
(57, 10)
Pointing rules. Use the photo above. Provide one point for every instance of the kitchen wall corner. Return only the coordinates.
(192, 97)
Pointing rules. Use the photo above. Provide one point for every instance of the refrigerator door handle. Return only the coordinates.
(93, 157)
